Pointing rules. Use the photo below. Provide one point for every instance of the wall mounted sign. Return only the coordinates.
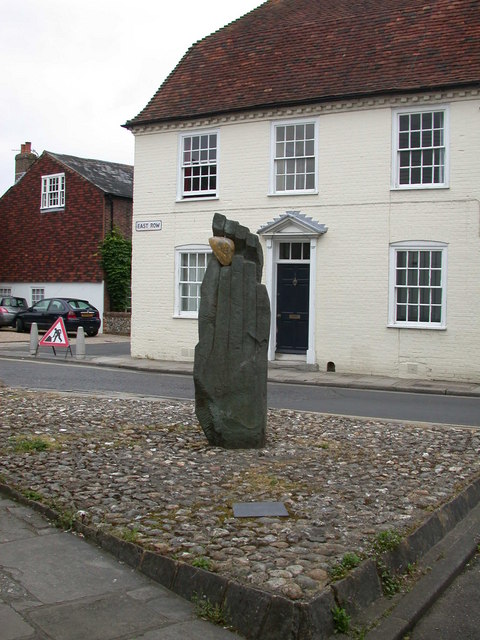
(151, 225)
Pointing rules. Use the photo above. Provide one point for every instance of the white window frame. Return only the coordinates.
(208, 194)
(274, 160)
(396, 185)
(393, 287)
(193, 249)
(53, 191)
(37, 294)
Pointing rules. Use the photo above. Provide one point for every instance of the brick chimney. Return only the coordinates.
(24, 160)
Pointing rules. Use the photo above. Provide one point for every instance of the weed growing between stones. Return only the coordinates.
(30, 494)
(128, 534)
(387, 540)
(341, 620)
(65, 520)
(27, 444)
(206, 610)
(202, 563)
(347, 563)
(390, 583)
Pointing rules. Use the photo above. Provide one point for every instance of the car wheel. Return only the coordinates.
(92, 332)
(19, 326)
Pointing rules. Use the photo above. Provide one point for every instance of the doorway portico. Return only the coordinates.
(291, 242)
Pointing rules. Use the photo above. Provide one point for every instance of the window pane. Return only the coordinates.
(401, 258)
(306, 251)
(404, 140)
(424, 314)
(424, 296)
(415, 121)
(401, 313)
(424, 279)
(402, 295)
(404, 123)
(413, 313)
(284, 250)
(280, 134)
(427, 174)
(296, 250)
(412, 277)
(412, 296)
(436, 315)
(300, 184)
(427, 120)
(436, 259)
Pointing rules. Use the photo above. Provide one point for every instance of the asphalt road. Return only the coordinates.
(69, 376)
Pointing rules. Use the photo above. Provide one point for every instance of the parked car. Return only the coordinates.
(9, 308)
(75, 313)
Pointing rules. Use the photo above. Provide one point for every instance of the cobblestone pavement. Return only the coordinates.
(143, 470)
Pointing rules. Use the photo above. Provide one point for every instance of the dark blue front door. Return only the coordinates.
(293, 285)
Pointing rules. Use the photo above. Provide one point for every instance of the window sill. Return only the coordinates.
(51, 209)
(197, 199)
(420, 187)
(293, 193)
(183, 316)
(422, 327)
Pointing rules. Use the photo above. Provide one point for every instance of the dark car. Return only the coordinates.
(75, 313)
(9, 308)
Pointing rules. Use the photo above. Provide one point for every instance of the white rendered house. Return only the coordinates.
(363, 188)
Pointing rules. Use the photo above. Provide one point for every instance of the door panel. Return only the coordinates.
(293, 287)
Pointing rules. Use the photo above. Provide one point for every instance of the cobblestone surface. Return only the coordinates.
(143, 469)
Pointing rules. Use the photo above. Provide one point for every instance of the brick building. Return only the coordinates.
(52, 221)
(346, 134)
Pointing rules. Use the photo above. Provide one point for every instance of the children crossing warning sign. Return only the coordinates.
(56, 336)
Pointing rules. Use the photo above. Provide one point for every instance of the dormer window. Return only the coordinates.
(53, 191)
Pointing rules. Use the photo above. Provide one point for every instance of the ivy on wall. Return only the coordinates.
(116, 257)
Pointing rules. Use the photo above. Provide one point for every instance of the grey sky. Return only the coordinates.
(73, 71)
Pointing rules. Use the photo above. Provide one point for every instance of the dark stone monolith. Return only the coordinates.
(230, 370)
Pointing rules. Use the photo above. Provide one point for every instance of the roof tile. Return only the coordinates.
(287, 52)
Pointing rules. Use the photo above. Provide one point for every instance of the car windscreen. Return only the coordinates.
(80, 304)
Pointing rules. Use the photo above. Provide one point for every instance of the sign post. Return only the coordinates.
(56, 336)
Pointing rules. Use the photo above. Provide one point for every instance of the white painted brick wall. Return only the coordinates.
(363, 216)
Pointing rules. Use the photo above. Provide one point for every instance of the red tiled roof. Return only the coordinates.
(296, 51)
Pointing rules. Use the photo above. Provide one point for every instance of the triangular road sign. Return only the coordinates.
(56, 336)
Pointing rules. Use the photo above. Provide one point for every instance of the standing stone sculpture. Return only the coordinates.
(230, 369)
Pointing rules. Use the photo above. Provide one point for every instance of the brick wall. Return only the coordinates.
(54, 246)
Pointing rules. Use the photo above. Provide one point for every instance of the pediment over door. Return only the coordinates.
(293, 223)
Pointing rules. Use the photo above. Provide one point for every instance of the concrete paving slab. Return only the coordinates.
(61, 567)
(105, 618)
(13, 626)
(12, 529)
(198, 630)
(60, 587)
